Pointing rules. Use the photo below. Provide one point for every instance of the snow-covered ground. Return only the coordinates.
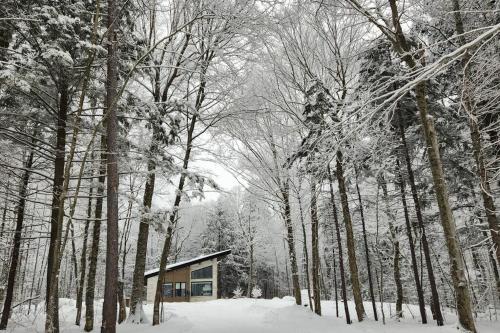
(253, 316)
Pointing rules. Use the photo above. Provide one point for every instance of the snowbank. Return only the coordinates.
(250, 316)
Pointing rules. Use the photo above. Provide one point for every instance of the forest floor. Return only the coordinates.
(253, 316)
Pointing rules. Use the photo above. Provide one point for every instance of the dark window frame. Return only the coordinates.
(203, 282)
(179, 291)
(202, 273)
(171, 289)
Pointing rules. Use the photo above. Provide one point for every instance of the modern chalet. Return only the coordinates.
(191, 280)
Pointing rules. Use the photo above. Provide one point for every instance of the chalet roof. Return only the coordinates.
(181, 264)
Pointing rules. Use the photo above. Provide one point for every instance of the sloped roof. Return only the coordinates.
(181, 264)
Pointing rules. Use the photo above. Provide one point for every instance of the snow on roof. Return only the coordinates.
(153, 272)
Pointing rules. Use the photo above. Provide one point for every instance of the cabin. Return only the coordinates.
(191, 280)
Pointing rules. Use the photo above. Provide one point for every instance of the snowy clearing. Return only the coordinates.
(252, 315)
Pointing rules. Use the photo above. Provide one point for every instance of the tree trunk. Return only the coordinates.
(306, 254)
(83, 258)
(395, 243)
(125, 234)
(467, 104)
(96, 235)
(284, 187)
(493, 263)
(409, 234)
(4, 252)
(251, 271)
(43, 267)
(137, 296)
(73, 262)
(111, 278)
(436, 306)
(287, 275)
(339, 248)
(380, 285)
(173, 215)
(460, 282)
(23, 191)
(5, 208)
(367, 251)
(122, 312)
(315, 249)
(170, 229)
(397, 279)
(34, 275)
(335, 278)
(285, 196)
(25, 259)
(52, 291)
(351, 246)
(163, 264)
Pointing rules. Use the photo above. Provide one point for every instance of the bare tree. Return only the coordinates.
(23, 192)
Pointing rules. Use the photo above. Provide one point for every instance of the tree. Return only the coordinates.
(339, 246)
(404, 49)
(468, 104)
(110, 287)
(23, 193)
(214, 33)
(162, 113)
(249, 214)
(367, 251)
(221, 233)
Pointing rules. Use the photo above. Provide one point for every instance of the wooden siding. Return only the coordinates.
(178, 275)
(184, 275)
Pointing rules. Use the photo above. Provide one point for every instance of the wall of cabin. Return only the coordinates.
(204, 264)
(184, 275)
(151, 289)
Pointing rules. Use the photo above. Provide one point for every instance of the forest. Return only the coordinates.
(347, 152)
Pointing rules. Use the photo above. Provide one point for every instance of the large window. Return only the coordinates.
(201, 288)
(167, 290)
(203, 273)
(180, 289)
